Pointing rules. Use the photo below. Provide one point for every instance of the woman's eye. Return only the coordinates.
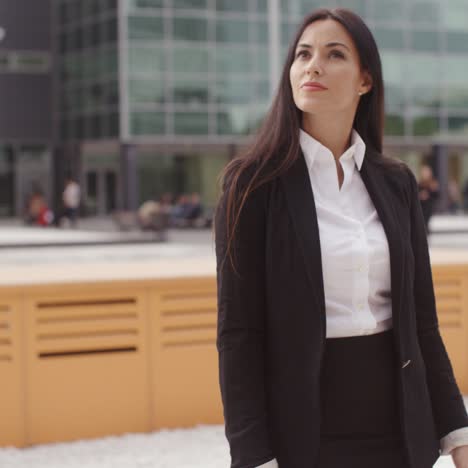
(301, 53)
(336, 54)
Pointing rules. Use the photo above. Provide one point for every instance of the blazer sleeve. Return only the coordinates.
(240, 331)
(447, 402)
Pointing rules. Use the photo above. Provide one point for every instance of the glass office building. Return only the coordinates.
(157, 95)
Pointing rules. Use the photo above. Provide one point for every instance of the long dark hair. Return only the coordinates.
(276, 144)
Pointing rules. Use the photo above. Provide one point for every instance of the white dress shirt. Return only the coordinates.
(355, 254)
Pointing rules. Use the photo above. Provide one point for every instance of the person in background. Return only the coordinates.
(454, 196)
(71, 201)
(428, 188)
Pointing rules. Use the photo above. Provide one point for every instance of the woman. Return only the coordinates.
(329, 349)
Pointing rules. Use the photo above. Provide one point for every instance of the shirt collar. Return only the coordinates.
(312, 147)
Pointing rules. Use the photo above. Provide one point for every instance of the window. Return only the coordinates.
(191, 123)
(232, 30)
(425, 40)
(233, 60)
(145, 27)
(146, 59)
(194, 4)
(147, 91)
(194, 92)
(147, 123)
(188, 59)
(425, 125)
(190, 29)
(230, 5)
(388, 38)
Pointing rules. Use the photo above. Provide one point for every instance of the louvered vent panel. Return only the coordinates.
(449, 299)
(66, 328)
(6, 336)
(188, 318)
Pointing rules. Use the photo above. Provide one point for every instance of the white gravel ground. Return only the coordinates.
(201, 447)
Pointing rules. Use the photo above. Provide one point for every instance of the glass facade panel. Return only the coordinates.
(238, 91)
(190, 123)
(230, 5)
(146, 91)
(392, 64)
(457, 41)
(260, 31)
(424, 12)
(146, 59)
(425, 41)
(235, 121)
(193, 4)
(454, 69)
(232, 30)
(145, 4)
(394, 125)
(426, 96)
(190, 29)
(456, 97)
(458, 125)
(187, 59)
(422, 69)
(193, 92)
(454, 15)
(394, 98)
(387, 10)
(145, 27)
(233, 60)
(388, 38)
(425, 125)
(147, 123)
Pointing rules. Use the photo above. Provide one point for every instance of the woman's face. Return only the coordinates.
(326, 54)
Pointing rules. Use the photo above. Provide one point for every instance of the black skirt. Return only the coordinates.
(360, 423)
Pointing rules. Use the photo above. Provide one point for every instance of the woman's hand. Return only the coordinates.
(460, 456)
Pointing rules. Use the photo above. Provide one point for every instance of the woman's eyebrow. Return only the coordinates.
(330, 44)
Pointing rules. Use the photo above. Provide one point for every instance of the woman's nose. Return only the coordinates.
(314, 66)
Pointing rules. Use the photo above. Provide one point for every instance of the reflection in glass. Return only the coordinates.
(145, 27)
(190, 29)
(425, 125)
(457, 42)
(233, 60)
(195, 4)
(232, 30)
(394, 125)
(424, 11)
(235, 121)
(425, 40)
(456, 97)
(146, 91)
(230, 5)
(190, 123)
(146, 59)
(426, 96)
(458, 125)
(188, 59)
(147, 123)
(191, 91)
(388, 38)
(234, 91)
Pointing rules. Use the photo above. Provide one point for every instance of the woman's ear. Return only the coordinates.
(366, 84)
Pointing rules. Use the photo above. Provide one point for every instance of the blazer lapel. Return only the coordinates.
(301, 205)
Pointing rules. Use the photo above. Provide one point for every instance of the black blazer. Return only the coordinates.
(271, 322)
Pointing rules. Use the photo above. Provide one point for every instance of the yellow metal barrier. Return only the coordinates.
(90, 359)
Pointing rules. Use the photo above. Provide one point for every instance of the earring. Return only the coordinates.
(360, 93)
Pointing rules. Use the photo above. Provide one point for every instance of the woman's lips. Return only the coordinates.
(313, 88)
